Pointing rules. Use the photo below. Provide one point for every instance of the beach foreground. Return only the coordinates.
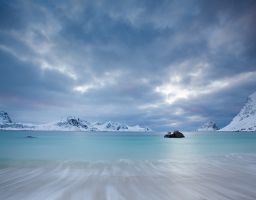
(232, 177)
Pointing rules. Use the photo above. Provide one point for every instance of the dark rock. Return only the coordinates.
(29, 136)
(175, 134)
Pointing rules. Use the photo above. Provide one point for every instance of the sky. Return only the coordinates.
(163, 64)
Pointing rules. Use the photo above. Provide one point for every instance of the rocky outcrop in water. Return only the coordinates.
(175, 134)
(30, 137)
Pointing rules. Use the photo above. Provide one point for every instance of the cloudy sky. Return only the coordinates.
(163, 64)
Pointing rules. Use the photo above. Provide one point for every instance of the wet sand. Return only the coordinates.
(200, 178)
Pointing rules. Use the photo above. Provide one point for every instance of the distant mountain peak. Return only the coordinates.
(245, 120)
(208, 126)
(72, 122)
(4, 118)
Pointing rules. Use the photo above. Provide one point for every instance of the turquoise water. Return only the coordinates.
(81, 146)
(124, 166)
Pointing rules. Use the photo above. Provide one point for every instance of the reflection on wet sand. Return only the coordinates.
(232, 177)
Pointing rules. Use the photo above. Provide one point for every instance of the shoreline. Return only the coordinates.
(222, 177)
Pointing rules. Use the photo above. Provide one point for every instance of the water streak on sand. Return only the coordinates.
(221, 177)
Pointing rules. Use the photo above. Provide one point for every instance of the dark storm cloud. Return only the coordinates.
(158, 63)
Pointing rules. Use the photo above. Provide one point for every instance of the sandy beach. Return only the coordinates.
(223, 178)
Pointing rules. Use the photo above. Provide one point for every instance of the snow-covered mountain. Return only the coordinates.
(208, 126)
(4, 118)
(74, 124)
(7, 124)
(116, 126)
(245, 120)
(70, 123)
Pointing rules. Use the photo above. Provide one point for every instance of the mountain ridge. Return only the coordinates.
(70, 123)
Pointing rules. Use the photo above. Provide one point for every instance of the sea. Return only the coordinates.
(51, 165)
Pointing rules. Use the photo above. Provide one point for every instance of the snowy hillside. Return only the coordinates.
(208, 126)
(69, 124)
(246, 118)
